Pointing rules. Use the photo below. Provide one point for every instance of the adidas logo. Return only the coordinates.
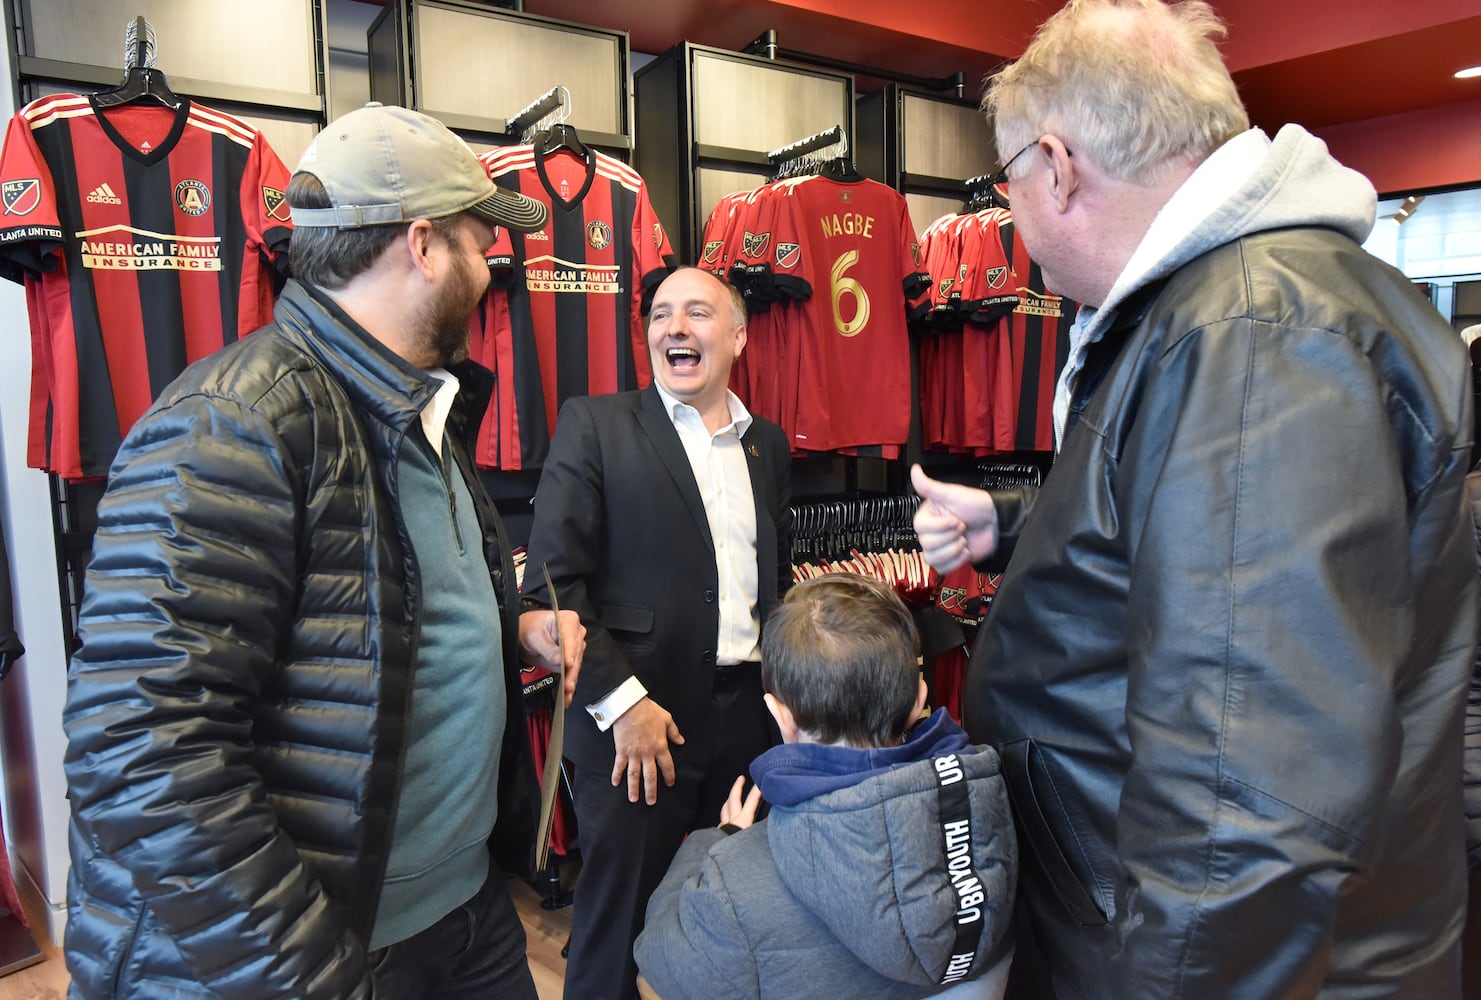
(103, 195)
(538, 234)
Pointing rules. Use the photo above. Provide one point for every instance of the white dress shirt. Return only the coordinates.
(718, 461)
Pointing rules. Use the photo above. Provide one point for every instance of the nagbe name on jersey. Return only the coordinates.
(848, 224)
(192, 256)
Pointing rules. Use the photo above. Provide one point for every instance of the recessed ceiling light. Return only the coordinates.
(1468, 73)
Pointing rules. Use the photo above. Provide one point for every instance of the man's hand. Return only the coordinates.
(955, 524)
(642, 736)
(537, 641)
(737, 812)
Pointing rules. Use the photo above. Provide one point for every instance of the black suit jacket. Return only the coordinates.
(619, 521)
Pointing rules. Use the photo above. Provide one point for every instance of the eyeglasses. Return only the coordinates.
(1000, 179)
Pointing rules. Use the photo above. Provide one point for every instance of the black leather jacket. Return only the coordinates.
(1473, 709)
(235, 713)
(1227, 664)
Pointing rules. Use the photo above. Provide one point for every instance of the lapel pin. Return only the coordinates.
(755, 452)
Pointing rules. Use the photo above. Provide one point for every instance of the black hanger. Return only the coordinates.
(142, 82)
(560, 136)
(841, 168)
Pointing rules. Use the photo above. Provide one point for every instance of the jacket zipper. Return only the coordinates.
(452, 494)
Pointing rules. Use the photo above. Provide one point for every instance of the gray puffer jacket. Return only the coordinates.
(887, 874)
(234, 714)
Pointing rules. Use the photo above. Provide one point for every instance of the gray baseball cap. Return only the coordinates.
(383, 164)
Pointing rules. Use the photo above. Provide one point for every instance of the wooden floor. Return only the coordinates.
(547, 931)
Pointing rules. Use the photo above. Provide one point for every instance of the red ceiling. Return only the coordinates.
(1319, 62)
(1322, 63)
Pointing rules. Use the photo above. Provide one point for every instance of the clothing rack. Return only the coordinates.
(829, 144)
(139, 47)
(834, 529)
(979, 193)
(548, 109)
(1008, 475)
(142, 80)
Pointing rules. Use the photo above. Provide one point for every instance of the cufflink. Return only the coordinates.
(598, 716)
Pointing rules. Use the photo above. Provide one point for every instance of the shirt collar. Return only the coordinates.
(740, 417)
(435, 413)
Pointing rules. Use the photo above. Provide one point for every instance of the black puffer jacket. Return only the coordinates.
(235, 713)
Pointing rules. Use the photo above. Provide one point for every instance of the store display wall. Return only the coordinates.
(1408, 154)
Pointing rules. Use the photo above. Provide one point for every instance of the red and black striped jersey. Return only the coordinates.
(990, 389)
(1040, 329)
(568, 321)
(146, 238)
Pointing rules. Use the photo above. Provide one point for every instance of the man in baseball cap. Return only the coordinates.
(381, 165)
(300, 676)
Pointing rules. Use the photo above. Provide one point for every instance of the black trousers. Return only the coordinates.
(626, 847)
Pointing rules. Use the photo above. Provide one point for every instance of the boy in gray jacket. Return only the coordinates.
(887, 865)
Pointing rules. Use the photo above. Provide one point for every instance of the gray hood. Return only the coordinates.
(870, 862)
(1251, 184)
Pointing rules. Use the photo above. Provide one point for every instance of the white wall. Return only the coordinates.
(31, 740)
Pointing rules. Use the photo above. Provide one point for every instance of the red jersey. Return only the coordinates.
(990, 392)
(1041, 343)
(145, 238)
(850, 248)
(570, 321)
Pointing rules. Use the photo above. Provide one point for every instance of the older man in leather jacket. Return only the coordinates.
(1227, 663)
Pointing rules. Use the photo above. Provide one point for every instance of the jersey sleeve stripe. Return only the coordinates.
(236, 125)
(47, 110)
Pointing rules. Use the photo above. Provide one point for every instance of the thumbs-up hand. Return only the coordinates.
(955, 524)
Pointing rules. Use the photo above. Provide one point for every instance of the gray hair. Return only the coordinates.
(1134, 84)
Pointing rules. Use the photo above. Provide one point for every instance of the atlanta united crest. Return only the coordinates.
(598, 234)
(192, 197)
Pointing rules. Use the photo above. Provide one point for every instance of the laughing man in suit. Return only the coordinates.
(662, 515)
